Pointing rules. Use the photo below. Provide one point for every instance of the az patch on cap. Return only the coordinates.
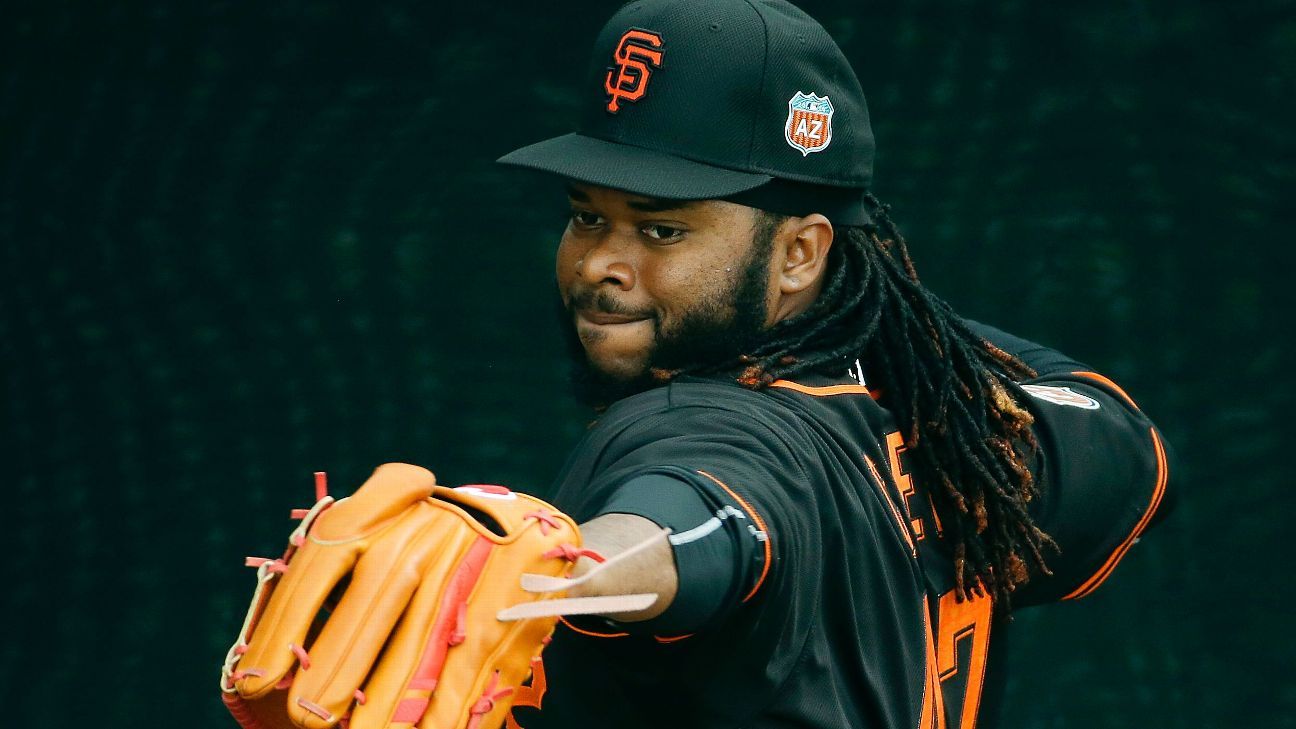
(809, 123)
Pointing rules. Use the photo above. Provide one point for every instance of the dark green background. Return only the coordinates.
(241, 241)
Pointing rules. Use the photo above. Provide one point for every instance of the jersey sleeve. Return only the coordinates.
(731, 488)
(1102, 465)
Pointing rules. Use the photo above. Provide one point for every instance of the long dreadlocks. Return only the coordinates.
(954, 395)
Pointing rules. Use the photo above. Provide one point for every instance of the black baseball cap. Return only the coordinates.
(747, 100)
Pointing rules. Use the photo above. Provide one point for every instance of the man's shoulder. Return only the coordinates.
(696, 425)
(693, 408)
(808, 404)
(685, 396)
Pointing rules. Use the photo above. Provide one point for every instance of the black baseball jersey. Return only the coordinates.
(839, 608)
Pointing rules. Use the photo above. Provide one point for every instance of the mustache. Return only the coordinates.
(604, 303)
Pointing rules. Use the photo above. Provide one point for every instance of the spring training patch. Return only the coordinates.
(809, 123)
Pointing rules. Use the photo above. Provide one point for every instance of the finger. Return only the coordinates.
(391, 490)
(382, 583)
(399, 688)
(282, 629)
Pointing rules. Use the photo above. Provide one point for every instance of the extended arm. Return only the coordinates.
(712, 560)
(652, 570)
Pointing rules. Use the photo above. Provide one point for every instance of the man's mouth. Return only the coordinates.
(600, 318)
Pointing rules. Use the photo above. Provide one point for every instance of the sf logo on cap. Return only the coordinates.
(636, 55)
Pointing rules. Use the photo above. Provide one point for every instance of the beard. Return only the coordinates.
(709, 336)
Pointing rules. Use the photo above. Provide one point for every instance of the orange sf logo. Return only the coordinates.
(638, 52)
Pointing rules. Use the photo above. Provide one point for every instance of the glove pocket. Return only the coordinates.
(503, 516)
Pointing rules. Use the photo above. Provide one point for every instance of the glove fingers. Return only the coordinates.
(400, 686)
(293, 606)
(384, 579)
(336, 540)
(392, 489)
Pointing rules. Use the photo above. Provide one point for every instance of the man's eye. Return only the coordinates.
(585, 219)
(661, 232)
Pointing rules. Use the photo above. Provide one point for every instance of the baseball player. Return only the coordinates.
(860, 485)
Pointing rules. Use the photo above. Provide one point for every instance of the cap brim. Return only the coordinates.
(632, 169)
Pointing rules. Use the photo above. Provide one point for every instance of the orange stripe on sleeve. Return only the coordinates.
(1115, 387)
(1105, 571)
(760, 523)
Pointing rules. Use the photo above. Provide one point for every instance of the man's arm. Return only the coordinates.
(1102, 465)
(706, 566)
(652, 570)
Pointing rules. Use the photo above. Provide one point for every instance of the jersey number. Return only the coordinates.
(956, 660)
(903, 481)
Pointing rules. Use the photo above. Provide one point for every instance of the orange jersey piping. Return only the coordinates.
(760, 523)
(1105, 571)
(825, 391)
(1117, 388)
(895, 512)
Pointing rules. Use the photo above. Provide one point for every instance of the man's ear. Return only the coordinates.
(805, 243)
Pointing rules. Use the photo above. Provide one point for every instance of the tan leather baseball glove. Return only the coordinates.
(402, 606)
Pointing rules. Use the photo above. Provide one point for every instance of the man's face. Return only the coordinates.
(653, 283)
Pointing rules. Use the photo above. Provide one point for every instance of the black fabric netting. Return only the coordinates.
(242, 242)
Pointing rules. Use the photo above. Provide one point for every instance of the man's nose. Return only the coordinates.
(607, 261)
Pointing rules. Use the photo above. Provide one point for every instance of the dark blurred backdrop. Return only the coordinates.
(241, 241)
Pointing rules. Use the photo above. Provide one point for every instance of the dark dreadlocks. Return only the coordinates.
(953, 393)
